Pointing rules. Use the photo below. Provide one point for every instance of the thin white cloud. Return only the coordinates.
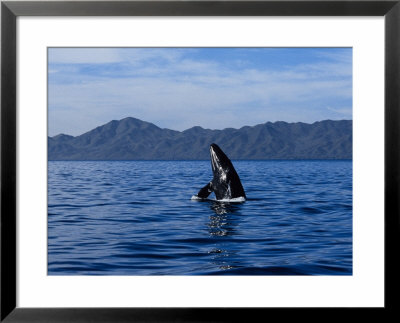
(94, 55)
(84, 55)
(343, 111)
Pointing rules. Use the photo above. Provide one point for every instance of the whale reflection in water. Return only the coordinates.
(222, 223)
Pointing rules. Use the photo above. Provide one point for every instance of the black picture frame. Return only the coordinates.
(10, 10)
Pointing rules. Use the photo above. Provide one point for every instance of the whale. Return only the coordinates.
(225, 183)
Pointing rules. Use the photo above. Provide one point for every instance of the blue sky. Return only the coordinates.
(178, 88)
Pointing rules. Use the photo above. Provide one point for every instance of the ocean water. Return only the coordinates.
(138, 218)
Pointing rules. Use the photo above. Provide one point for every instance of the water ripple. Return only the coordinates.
(137, 218)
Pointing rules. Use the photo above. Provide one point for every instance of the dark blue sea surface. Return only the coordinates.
(138, 218)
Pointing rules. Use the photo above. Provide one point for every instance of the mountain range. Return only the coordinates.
(133, 139)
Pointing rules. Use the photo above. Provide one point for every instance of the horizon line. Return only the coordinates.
(196, 160)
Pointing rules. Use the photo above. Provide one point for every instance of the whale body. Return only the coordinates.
(226, 182)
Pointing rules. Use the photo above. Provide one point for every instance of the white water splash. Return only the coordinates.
(234, 200)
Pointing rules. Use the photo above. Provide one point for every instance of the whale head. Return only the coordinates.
(226, 183)
(220, 163)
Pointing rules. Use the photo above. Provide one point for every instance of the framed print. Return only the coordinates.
(190, 160)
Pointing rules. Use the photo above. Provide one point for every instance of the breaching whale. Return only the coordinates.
(226, 182)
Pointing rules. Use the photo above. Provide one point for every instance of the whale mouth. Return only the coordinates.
(217, 158)
(214, 159)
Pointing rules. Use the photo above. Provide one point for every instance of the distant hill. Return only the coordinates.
(133, 139)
